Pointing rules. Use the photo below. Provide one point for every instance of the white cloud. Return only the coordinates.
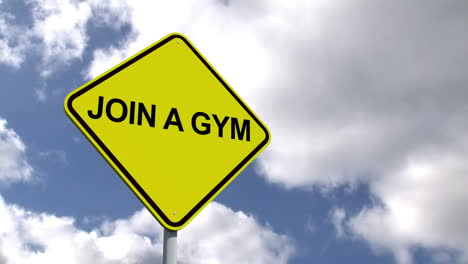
(422, 205)
(218, 235)
(110, 13)
(57, 33)
(55, 155)
(13, 41)
(361, 96)
(310, 225)
(14, 166)
(338, 216)
(61, 27)
(238, 237)
(353, 92)
(104, 60)
(229, 43)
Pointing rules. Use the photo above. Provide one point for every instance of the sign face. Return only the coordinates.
(170, 126)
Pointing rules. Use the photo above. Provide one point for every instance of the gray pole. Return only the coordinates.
(170, 247)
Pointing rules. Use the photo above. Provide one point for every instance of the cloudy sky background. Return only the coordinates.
(366, 101)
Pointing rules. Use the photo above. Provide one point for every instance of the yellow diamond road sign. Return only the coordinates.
(170, 126)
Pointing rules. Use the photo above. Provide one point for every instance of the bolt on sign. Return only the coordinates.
(170, 126)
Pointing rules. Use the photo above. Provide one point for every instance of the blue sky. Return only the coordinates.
(366, 102)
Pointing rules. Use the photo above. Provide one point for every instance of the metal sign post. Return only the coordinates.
(169, 247)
